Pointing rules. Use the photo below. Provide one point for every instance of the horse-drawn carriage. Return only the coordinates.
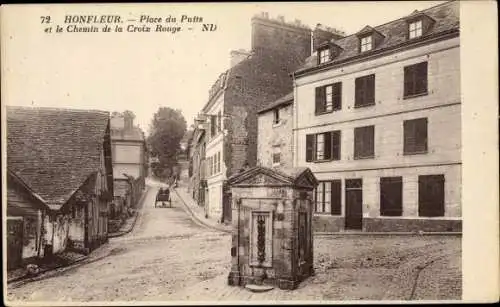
(163, 196)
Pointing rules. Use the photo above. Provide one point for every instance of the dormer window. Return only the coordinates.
(369, 39)
(419, 24)
(415, 29)
(324, 55)
(366, 43)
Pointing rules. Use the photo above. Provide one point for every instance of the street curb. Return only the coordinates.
(122, 233)
(27, 278)
(195, 217)
(359, 233)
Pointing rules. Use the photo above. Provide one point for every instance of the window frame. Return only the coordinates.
(326, 201)
(360, 144)
(276, 116)
(411, 129)
(363, 43)
(322, 97)
(415, 84)
(415, 30)
(389, 183)
(364, 91)
(436, 208)
(331, 151)
(324, 55)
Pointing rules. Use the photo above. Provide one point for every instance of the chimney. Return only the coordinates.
(323, 33)
(236, 56)
(128, 121)
(277, 35)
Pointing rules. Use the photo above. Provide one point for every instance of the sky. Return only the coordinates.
(142, 71)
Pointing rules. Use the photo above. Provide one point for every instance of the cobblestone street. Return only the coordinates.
(169, 257)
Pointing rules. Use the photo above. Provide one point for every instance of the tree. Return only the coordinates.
(165, 134)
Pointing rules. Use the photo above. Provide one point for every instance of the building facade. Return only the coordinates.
(377, 118)
(275, 137)
(255, 79)
(197, 178)
(130, 165)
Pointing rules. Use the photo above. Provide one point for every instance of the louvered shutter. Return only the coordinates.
(310, 138)
(320, 100)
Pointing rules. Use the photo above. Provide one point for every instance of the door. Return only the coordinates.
(226, 204)
(14, 243)
(354, 204)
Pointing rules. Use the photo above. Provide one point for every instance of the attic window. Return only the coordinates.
(415, 29)
(366, 43)
(324, 55)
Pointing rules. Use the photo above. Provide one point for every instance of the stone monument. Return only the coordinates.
(272, 240)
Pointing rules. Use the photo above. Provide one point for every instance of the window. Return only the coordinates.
(276, 114)
(323, 146)
(276, 155)
(320, 146)
(364, 145)
(366, 43)
(415, 29)
(415, 79)
(328, 98)
(415, 136)
(218, 162)
(211, 171)
(391, 196)
(324, 56)
(431, 195)
(327, 196)
(364, 91)
(213, 125)
(219, 121)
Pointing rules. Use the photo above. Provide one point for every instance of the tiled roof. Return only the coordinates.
(446, 17)
(54, 150)
(283, 101)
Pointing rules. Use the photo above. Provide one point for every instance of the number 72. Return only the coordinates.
(45, 19)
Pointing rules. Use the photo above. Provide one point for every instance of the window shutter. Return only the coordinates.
(336, 145)
(310, 138)
(337, 96)
(336, 197)
(358, 93)
(370, 90)
(371, 141)
(421, 135)
(408, 81)
(328, 146)
(320, 100)
(421, 78)
(358, 142)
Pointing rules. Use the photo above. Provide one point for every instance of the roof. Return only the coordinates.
(281, 102)
(53, 150)
(446, 17)
(301, 177)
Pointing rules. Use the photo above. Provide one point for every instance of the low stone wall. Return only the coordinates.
(327, 223)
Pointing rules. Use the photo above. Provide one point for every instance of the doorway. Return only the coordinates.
(354, 204)
(14, 243)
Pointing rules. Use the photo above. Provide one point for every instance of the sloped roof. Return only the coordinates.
(297, 176)
(446, 17)
(283, 101)
(54, 150)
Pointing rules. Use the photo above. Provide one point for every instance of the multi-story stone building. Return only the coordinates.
(255, 79)
(377, 118)
(130, 165)
(275, 139)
